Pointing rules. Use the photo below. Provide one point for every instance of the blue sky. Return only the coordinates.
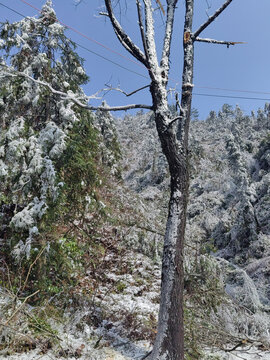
(241, 67)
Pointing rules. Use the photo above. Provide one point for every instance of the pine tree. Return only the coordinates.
(35, 124)
(110, 150)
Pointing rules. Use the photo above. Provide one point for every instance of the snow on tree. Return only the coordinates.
(35, 123)
(110, 150)
(244, 230)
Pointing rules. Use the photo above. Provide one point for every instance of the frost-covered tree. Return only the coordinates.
(244, 231)
(173, 132)
(110, 150)
(35, 124)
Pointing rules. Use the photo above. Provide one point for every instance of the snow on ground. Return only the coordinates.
(246, 353)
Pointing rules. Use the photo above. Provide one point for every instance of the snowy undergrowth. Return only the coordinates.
(116, 322)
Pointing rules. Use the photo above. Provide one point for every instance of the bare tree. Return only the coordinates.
(173, 134)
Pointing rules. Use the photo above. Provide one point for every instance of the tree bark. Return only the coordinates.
(169, 343)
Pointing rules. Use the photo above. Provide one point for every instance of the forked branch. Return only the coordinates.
(125, 40)
(125, 93)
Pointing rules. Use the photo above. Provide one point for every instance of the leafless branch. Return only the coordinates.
(174, 120)
(127, 94)
(150, 37)
(21, 306)
(160, 6)
(146, 355)
(208, 8)
(211, 19)
(78, 2)
(120, 108)
(8, 275)
(18, 332)
(221, 42)
(76, 101)
(125, 40)
(30, 268)
(168, 38)
(140, 18)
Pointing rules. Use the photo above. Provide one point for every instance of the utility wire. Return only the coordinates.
(136, 73)
(13, 10)
(233, 90)
(87, 37)
(87, 49)
(231, 97)
(126, 58)
(111, 61)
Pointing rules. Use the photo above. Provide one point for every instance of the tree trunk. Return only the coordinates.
(169, 343)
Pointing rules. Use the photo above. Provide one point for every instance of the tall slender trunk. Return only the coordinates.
(169, 343)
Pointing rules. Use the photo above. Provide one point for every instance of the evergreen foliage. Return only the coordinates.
(48, 146)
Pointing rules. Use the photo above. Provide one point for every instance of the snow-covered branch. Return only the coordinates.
(125, 40)
(211, 19)
(168, 37)
(221, 42)
(75, 100)
(140, 21)
(150, 38)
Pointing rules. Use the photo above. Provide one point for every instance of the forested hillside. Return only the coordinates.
(227, 242)
(83, 207)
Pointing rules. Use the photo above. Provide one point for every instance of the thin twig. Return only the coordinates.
(30, 268)
(21, 306)
(211, 19)
(17, 332)
(145, 356)
(123, 92)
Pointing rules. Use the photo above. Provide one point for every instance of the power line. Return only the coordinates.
(111, 61)
(231, 97)
(137, 63)
(136, 73)
(87, 49)
(87, 37)
(13, 10)
(233, 90)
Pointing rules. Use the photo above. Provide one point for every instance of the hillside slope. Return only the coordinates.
(228, 213)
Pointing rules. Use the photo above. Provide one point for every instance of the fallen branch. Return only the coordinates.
(17, 332)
